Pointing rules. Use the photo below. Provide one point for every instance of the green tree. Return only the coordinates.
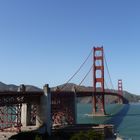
(79, 136)
(90, 135)
(37, 137)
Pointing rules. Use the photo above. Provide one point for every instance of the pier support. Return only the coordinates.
(75, 105)
(22, 89)
(47, 108)
(24, 115)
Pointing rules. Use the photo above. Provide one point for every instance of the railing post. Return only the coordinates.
(47, 93)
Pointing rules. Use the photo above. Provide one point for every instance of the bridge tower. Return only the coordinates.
(120, 87)
(98, 81)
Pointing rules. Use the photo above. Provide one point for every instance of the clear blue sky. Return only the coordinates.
(45, 41)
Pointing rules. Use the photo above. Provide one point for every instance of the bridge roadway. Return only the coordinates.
(90, 93)
(14, 97)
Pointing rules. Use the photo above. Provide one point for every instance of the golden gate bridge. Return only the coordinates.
(20, 109)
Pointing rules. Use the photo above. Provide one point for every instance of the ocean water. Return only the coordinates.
(126, 118)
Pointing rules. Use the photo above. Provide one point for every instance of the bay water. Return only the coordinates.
(125, 118)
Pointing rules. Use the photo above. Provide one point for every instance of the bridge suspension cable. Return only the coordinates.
(65, 85)
(86, 75)
(108, 73)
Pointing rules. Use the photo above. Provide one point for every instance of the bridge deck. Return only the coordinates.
(85, 93)
(17, 93)
(40, 93)
(12, 97)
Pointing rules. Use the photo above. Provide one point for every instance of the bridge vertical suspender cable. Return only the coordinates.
(108, 73)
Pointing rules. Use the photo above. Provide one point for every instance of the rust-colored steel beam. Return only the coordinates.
(10, 118)
(10, 108)
(63, 109)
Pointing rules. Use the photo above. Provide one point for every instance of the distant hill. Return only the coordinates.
(69, 87)
(132, 97)
(11, 87)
